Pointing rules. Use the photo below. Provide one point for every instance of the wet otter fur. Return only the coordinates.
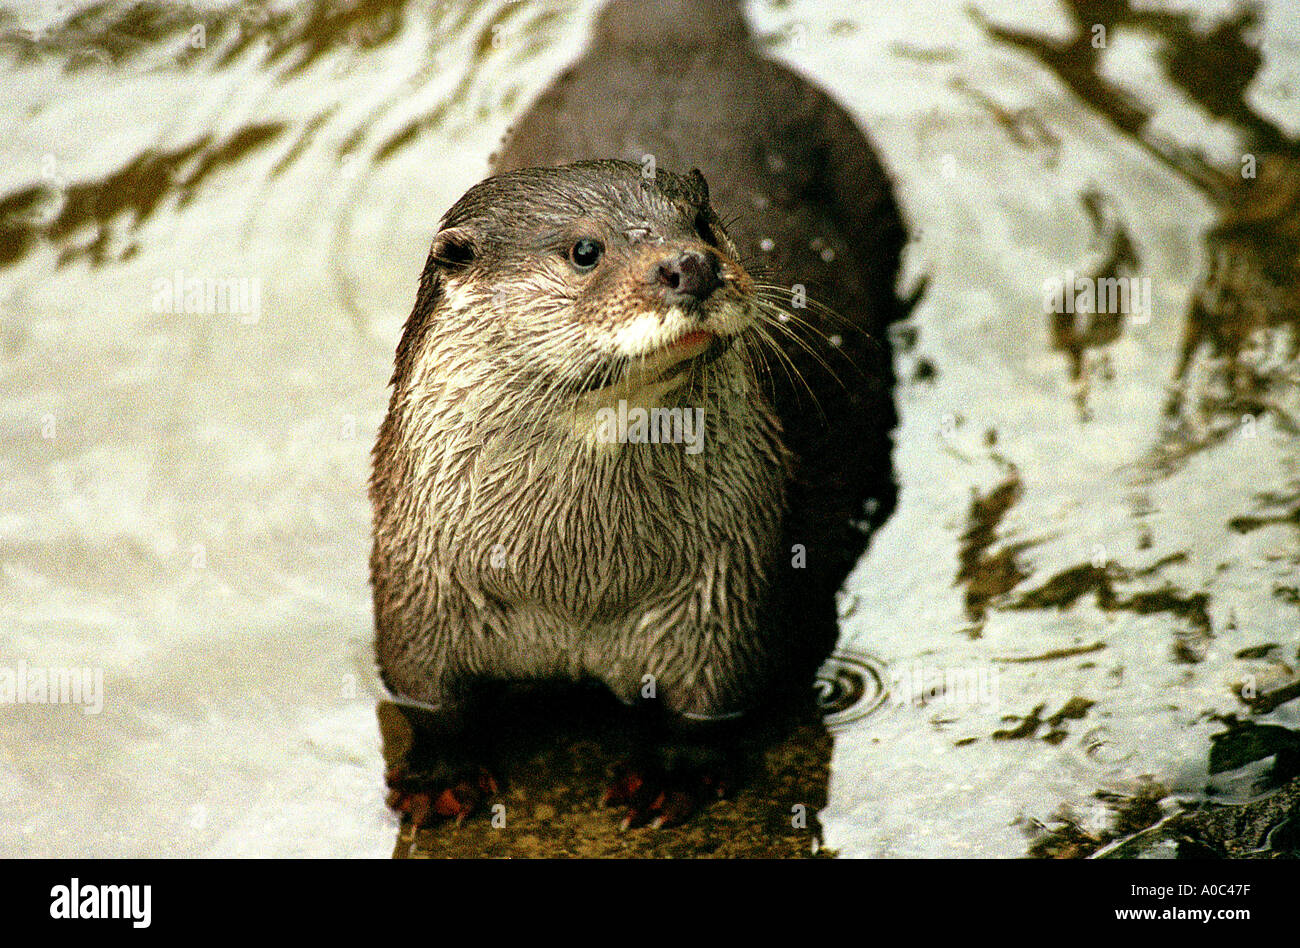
(512, 542)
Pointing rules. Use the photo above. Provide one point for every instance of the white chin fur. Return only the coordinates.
(649, 378)
(654, 329)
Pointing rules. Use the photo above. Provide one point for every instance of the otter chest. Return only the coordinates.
(594, 539)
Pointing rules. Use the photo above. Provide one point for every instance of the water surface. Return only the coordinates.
(212, 219)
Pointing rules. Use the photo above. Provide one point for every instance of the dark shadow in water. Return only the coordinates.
(985, 572)
(1078, 334)
(79, 220)
(1242, 325)
(1266, 827)
(123, 36)
(1249, 291)
(295, 37)
(1250, 285)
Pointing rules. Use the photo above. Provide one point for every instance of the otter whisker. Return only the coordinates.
(779, 292)
(806, 346)
(773, 298)
(789, 365)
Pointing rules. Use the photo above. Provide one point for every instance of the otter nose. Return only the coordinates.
(691, 274)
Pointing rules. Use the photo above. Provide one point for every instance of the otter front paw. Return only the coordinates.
(666, 792)
(440, 793)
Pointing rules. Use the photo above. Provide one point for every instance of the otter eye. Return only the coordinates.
(585, 254)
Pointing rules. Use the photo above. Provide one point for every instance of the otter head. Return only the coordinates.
(590, 282)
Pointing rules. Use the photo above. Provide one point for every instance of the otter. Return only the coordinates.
(640, 422)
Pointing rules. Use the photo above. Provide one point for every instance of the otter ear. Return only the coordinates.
(699, 186)
(453, 249)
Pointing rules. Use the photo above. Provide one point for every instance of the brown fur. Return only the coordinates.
(713, 573)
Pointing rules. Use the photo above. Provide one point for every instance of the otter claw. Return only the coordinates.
(422, 798)
(661, 798)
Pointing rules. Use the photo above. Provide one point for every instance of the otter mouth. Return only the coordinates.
(664, 365)
(698, 348)
(661, 367)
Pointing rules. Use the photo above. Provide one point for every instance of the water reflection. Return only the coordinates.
(1245, 310)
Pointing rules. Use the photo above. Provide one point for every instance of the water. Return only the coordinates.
(209, 239)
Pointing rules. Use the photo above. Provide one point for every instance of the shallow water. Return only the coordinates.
(183, 483)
